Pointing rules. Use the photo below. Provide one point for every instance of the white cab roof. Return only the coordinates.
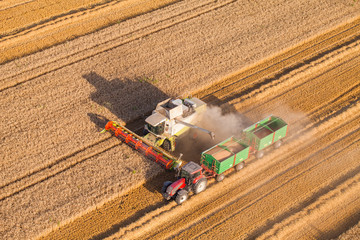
(155, 119)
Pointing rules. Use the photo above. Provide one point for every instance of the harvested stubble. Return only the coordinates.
(53, 99)
(32, 25)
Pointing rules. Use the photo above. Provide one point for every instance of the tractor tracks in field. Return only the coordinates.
(322, 205)
(109, 43)
(8, 35)
(54, 168)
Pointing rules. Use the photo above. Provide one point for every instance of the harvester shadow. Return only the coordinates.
(130, 100)
(125, 98)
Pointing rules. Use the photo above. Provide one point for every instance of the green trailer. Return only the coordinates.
(232, 152)
(264, 133)
(223, 156)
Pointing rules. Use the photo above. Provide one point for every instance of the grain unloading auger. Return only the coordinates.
(135, 141)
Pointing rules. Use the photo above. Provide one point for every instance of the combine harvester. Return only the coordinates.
(214, 162)
(170, 119)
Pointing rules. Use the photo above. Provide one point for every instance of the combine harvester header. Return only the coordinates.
(135, 141)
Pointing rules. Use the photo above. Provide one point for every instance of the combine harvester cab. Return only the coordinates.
(170, 119)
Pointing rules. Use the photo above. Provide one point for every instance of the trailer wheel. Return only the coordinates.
(200, 185)
(259, 154)
(239, 166)
(277, 144)
(165, 186)
(181, 197)
(166, 145)
(220, 177)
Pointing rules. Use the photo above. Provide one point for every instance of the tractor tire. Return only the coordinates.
(259, 154)
(165, 186)
(277, 144)
(181, 196)
(239, 166)
(200, 185)
(220, 177)
(166, 145)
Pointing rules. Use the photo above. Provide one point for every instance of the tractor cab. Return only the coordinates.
(190, 178)
(190, 172)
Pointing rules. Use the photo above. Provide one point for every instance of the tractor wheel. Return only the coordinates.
(200, 185)
(181, 197)
(277, 144)
(220, 177)
(239, 166)
(166, 145)
(165, 186)
(259, 154)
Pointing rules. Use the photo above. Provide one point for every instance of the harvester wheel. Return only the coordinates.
(220, 177)
(200, 185)
(181, 197)
(259, 154)
(277, 144)
(165, 186)
(239, 166)
(166, 145)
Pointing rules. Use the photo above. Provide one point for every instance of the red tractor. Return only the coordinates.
(190, 178)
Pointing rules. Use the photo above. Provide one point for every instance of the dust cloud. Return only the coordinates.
(195, 141)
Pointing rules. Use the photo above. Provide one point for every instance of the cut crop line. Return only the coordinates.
(278, 69)
(266, 85)
(293, 219)
(16, 5)
(41, 24)
(267, 82)
(302, 84)
(116, 44)
(316, 195)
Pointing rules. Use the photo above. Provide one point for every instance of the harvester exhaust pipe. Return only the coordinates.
(212, 134)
